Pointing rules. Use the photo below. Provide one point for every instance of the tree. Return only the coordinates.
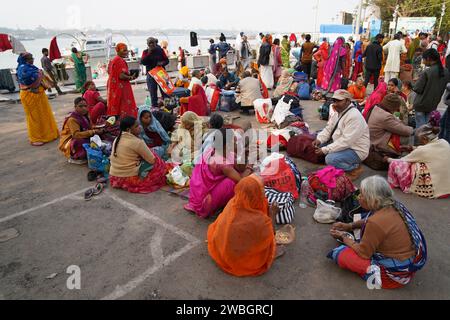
(413, 8)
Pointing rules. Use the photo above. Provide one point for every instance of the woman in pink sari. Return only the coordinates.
(334, 67)
(376, 97)
(278, 62)
(214, 178)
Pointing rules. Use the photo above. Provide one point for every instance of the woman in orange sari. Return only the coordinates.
(242, 240)
(121, 101)
(321, 57)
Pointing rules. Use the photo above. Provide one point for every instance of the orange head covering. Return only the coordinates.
(223, 61)
(242, 241)
(121, 47)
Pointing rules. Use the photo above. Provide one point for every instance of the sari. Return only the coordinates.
(80, 71)
(242, 241)
(120, 94)
(71, 147)
(210, 188)
(332, 74)
(197, 102)
(41, 123)
(284, 84)
(153, 179)
(277, 63)
(358, 59)
(155, 128)
(321, 57)
(394, 273)
(285, 52)
(96, 109)
(375, 98)
(348, 65)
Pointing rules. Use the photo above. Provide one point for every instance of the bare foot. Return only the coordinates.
(281, 251)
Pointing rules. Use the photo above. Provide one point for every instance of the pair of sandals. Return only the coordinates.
(91, 193)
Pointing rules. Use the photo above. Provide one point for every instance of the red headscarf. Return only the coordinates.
(375, 98)
(120, 47)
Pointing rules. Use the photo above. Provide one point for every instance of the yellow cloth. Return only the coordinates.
(41, 122)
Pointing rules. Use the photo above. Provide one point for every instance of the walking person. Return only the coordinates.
(49, 70)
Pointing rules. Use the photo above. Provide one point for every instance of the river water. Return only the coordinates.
(9, 60)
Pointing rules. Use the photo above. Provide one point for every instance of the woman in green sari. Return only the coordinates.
(285, 51)
(80, 69)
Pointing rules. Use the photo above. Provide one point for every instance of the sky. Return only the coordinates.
(275, 15)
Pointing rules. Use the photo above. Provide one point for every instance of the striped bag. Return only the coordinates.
(285, 201)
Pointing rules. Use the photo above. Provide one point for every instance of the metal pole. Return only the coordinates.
(358, 18)
(442, 16)
(396, 16)
(317, 19)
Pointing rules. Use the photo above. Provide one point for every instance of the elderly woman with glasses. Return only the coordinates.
(392, 247)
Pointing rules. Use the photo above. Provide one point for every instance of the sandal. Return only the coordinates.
(37, 144)
(98, 189)
(89, 194)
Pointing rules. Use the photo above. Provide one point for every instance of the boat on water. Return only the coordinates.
(24, 38)
(96, 48)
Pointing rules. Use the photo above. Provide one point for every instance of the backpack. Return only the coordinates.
(304, 91)
(324, 110)
(350, 206)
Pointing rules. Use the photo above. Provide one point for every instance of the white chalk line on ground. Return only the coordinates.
(155, 246)
(156, 249)
(19, 214)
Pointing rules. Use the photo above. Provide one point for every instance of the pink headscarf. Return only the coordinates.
(332, 79)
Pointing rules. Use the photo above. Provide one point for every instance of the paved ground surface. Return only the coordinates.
(147, 247)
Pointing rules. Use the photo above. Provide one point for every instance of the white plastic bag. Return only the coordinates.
(326, 212)
(262, 110)
(281, 111)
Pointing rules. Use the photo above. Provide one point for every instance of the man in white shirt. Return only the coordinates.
(196, 79)
(345, 141)
(394, 49)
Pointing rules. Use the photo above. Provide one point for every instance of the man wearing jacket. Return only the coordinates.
(374, 60)
(154, 57)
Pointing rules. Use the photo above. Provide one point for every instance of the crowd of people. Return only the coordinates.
(396, 129)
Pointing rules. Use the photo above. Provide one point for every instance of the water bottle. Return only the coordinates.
(148, 101)
(304, 193)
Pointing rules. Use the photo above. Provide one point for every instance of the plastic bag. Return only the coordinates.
(262, 110)
(282, 110)
(327, 212)
(177, 177)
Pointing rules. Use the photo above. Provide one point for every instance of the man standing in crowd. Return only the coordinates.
(153, 57)
(394, 50)
(374, 60)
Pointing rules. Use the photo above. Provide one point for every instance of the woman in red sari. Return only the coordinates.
(348, 62)
(321, 57)
(121, 101)
(197, 102)
(357, 57)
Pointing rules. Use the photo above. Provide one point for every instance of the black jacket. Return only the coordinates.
(374, 56)
(429, 88)
(264, 54)
(156, 58)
